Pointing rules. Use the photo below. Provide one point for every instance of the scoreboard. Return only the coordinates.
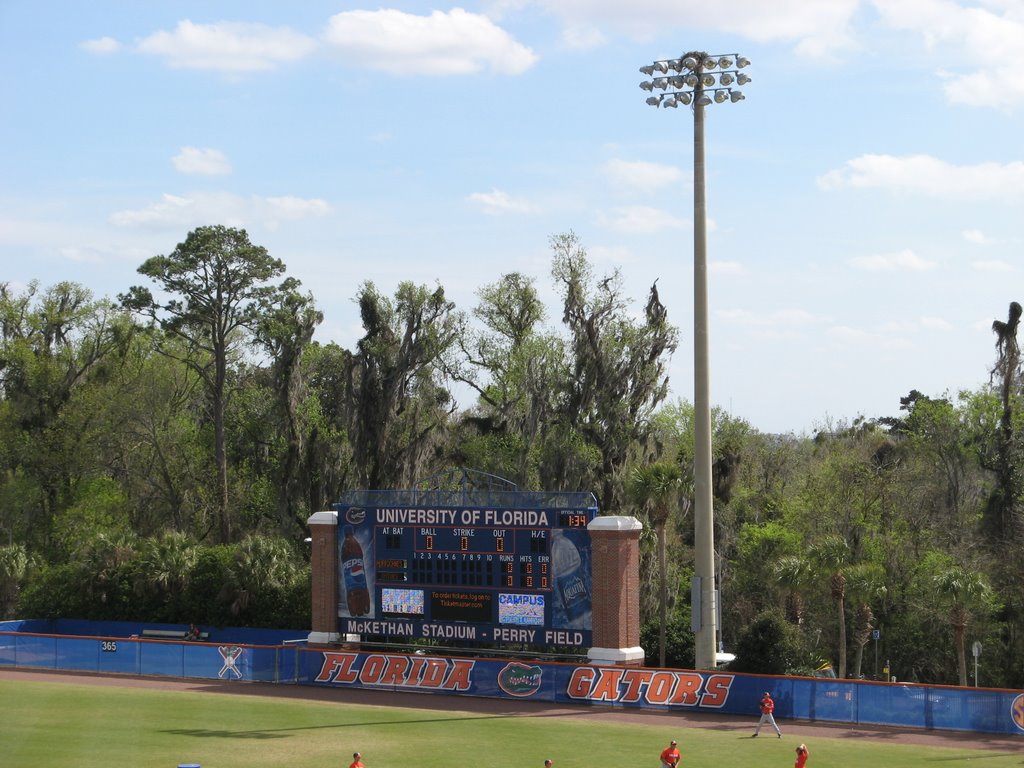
(469, 575)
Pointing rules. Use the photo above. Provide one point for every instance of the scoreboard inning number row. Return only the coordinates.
(457, 556)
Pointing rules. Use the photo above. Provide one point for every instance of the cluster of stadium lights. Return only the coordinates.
(695, 81)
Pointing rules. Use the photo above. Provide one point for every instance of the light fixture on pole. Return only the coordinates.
(696, 86)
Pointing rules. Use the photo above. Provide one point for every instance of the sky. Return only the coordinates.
(865, 201)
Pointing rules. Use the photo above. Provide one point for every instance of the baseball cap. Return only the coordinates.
(673, 741)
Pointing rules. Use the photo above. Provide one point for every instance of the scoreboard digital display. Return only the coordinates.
(466, 574)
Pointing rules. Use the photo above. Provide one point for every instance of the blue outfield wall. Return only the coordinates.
(120, 649)
(797, 698)
(158, 658)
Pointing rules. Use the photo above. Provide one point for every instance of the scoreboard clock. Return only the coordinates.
(471, 575)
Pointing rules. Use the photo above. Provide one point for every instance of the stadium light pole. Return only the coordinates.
(697, 80)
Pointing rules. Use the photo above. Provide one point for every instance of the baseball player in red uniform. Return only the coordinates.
(801, 756)
(767, 708)
(670, 756)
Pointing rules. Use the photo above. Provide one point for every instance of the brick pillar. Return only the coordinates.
(323, 527)
(615, 583)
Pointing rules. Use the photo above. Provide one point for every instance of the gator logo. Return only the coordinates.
(355, 515)
(520, 679)
(1017, 711)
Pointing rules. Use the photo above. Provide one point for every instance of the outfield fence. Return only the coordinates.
(140, 656)
(239, 655)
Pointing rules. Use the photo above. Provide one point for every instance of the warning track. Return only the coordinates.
(795, 731)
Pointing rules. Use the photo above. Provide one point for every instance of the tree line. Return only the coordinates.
(162, 450)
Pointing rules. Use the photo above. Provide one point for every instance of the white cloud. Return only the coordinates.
(453, 43)
(496, 201)
(227, 46)
(980, 41)
(101, 46)
(639, 219)
(177, 212)
(24, 231)
(292, 208)
(582, 36)
(641, 174)
(170, 211)
(929, 176)
(83, 255)
(53, 231)
(203, 162)
(901, 261)
(988, 36)
(992, 265)
(899, 326)
(859, 336)
(986, 88)
(935, 324)
(977, 236)
(818, 28)
(777, 319)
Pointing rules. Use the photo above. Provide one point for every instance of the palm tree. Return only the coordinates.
(962, 589)
(865, 583)
(830, 555)
(656, 488)
(102, 561)
(794, 573)
(167, 563)
(262, 565)
(999, 512)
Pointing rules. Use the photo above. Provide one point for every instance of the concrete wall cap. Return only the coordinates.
(327, 517)
(615, 523)
(614, 656)
(323, 638)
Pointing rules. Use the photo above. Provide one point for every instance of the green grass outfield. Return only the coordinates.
(48, 724)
